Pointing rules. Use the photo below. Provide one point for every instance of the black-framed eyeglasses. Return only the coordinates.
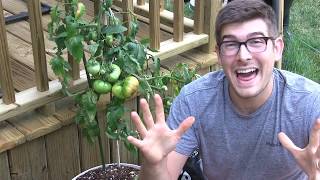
(253, 45)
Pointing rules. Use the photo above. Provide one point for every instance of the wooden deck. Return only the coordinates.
(20, 48)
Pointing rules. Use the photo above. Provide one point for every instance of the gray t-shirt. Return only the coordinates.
(234, 146)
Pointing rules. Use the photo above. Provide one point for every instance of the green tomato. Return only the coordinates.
(115, 73)
(130, 86)
(93, 67)
(101, 87)
(117, 90)
(93, 35)
(80, 10)
(109, 40)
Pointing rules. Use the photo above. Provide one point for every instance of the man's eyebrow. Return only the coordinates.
(256, 34)
(248, 36)
(228, 36)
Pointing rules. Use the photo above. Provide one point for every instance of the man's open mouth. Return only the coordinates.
(246, 74)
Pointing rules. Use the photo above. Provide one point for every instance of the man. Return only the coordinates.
(248, 120)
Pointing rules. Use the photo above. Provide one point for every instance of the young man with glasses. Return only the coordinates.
(249, 120)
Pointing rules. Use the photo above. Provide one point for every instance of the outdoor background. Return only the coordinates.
(302, 52)
(302, 42)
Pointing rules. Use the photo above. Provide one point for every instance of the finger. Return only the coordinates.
(185, 125)
(136, 142)
(160, 117)
(318, 153)
(147, 116)
(288, 144)
(138, 124)
(314, 135)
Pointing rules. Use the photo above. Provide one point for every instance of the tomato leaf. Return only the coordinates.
(145, 41)
(93, 48)
(113, 29)
(156, 66)
(133, 28)
(75, 47)
(59, 66)
(137, 51)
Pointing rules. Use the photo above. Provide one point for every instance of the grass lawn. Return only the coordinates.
(302, 51)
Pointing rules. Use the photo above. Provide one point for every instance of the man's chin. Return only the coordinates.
(247, 93)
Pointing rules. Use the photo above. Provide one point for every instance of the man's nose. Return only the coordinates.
(244, 54)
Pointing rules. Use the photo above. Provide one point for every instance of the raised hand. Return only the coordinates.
(157, 139)
(308, 158)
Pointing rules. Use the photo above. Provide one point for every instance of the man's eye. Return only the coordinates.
(230, 45)
(256, 41)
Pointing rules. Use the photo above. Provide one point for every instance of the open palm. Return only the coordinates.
(157, 139)
(308, 158)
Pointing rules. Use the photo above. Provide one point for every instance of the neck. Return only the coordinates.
(248, 105)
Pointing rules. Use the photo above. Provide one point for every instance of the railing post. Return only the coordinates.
(199, 17)
(279, 9)
(140, 2)
(154, 11)
(75, 67)
(178, 16)
(96, 6)
(38, 45)
(127, 7)
(162, 5)
(211, 9)
(5, 69)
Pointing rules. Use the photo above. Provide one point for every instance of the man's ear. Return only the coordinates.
(278, 48)
(218, 54)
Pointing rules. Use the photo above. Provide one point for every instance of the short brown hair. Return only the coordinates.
(245, 10)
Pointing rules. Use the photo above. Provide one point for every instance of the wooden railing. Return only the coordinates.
(187, 34)
(45, 92)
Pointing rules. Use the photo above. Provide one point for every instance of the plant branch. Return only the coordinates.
(95, 117)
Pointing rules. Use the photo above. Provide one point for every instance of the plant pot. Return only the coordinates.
(126, 171)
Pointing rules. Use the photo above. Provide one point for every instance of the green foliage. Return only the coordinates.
(302, 51)
(109, 46)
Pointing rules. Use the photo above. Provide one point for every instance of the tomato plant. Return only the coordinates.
(117, 64)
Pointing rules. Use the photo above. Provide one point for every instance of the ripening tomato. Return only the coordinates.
(101, 87)
(130, 86)
(80, 10)
(127, 88)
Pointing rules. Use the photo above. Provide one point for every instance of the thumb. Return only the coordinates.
(185, 125)
(288, 144)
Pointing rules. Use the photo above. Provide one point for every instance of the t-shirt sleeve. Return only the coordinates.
(179, 111)
(313, 110)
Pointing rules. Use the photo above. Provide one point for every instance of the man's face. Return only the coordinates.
(249, 73)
